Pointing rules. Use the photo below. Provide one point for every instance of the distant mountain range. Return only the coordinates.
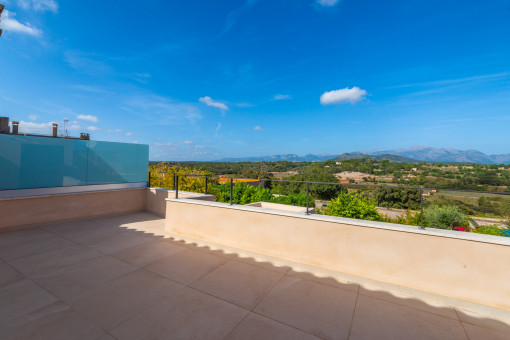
(275, 158)
(446, 155)
(391, 158)
(412, 155)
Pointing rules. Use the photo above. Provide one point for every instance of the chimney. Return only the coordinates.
(15, 128)
(55, 129)
(4, 125)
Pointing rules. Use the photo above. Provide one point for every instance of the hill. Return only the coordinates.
(391, 158)
(275, 158)
(445, 155)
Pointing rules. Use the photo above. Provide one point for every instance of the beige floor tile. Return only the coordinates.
(378, 319)
(481, 333)
(54, 262)
(9, 275)
(113, 303)
(409, 301)
(156, 231)
(255, 327)
(129, 219)
(56, 321)
(118, 242)
(19, 237)
(484, 321)
(239, 283)
(147, 253)
(86, 232)
(217, 252)
(264, 264)
(69, 227)
(84, 275)
(106, 337)
(321, 310)
(44, 243)
(21, 298)
(186, 266)
(187, 315)
(329, 281)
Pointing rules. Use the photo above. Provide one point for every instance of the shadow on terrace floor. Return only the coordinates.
(121, 278)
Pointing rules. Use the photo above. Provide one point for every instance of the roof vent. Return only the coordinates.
(4, 125)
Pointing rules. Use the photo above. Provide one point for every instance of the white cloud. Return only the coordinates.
(258, 128)
(92, 128)
(210, 102)
(88, 63)
(234, 16)
(87, 88)
(345, 95)
(281, 97)
(129, 134)
(117, 130)
(39, 5)
(327, 3)
(9, 24)
(163, 110)
(217, 130)
(87, 118)
(33, 117)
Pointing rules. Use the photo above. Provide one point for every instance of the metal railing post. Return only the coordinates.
(149, 183)
(176, 184)
(231, 187)
(174, 181)
(307, 193)
(421, 207)
(206, 184)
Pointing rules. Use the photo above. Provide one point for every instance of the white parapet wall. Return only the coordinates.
(459, 265)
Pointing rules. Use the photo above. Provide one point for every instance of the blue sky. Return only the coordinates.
(203, 80)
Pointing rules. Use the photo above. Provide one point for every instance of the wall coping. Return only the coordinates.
(80, 189)
(504, 241)
(189, 194)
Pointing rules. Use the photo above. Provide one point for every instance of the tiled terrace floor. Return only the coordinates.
(120, 278)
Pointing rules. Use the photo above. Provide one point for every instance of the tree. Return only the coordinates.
(446, 217)
(313, 173)
(353, 206)
(396, 198)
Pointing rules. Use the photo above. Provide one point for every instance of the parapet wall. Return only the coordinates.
(464, 266)
(16, 213)
(156, 199)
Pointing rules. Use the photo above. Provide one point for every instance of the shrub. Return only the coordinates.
(353, 206)
(444, 217)
(296, 199)
(489, 230)
(408, 218)
(396, 198)
(243, 193)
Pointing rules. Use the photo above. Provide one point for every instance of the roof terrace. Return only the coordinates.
(123, 277)
(88, 251)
